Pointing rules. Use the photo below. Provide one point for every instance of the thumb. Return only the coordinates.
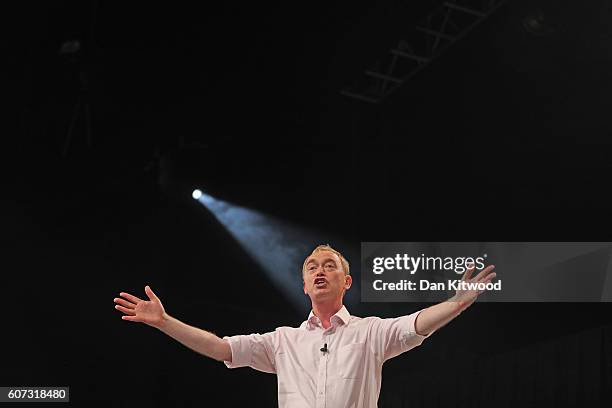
(150, 293)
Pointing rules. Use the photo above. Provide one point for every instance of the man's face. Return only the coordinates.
(324, 277)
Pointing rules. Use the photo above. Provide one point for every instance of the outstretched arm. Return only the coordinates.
(436, 316)
(152, 312)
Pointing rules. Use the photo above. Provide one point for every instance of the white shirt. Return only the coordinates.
(349, 374)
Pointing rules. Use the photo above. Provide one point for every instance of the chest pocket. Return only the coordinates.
(351, 359)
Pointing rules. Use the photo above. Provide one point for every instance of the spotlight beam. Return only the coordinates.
(278, 247)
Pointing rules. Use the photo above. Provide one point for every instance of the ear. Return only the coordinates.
(304, 283)
(348, 281)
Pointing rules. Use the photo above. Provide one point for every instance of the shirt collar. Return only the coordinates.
(341, 315)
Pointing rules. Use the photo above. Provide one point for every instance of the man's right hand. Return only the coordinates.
(135, 309)
(152, 313)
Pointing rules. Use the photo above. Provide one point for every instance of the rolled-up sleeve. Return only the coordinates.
(394, 336)
(252, 350)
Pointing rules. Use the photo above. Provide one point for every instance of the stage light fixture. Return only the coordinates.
(537, 24)
(196, 194)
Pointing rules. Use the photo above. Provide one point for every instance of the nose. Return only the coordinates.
(319, 271)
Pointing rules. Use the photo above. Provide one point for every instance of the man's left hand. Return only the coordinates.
(465, 297)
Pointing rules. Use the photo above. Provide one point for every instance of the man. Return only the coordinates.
(333, 359)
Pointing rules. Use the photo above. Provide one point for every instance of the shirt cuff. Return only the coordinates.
(412, 327)
(241, 351)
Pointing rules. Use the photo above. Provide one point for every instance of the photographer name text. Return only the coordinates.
(426, 285)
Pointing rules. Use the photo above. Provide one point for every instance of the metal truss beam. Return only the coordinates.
(444, 26)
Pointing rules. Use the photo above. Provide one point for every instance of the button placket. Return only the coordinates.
(322, 377)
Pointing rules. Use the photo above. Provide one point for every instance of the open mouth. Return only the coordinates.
(320, 282)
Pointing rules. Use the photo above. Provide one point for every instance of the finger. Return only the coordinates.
(131, 298)
(150, 293)
(130, 318)
(484, 273)
(125, 303)
(489, 278)
(468, 273)
(486, 280)
(125, 310)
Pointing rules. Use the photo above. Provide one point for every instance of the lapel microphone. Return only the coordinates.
(324, 348)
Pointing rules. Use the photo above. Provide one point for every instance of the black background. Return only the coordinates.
(506, 137)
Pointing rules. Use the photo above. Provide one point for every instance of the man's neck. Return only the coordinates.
(324, 311)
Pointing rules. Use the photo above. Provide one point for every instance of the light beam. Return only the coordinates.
(276, 245)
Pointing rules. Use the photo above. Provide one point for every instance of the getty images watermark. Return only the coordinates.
(411, 265)
(526, 271)
(422, 272)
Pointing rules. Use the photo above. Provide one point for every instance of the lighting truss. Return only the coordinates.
(444, 26)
